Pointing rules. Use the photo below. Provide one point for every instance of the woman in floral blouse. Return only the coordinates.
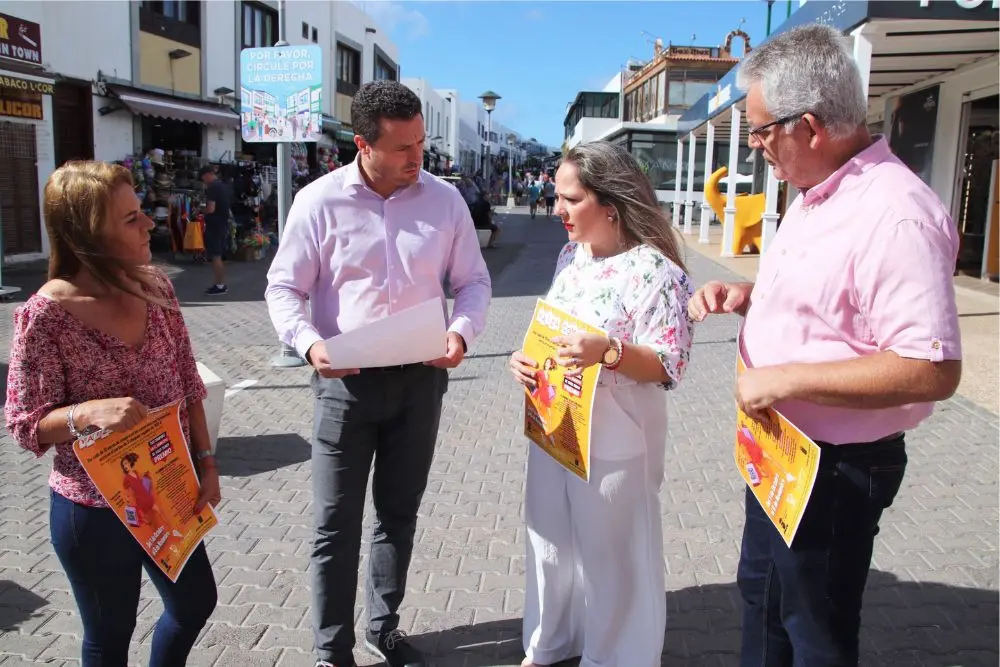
(100, 342)
(621, 271)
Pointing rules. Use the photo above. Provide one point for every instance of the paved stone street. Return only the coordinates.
(932, 597)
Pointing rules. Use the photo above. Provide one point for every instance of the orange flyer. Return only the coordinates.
(557, 414)
(778, 462)
(147, 477)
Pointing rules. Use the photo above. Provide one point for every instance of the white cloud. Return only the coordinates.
(396, 18)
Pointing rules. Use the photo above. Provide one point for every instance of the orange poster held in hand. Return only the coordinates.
(778, 462)
(147, 477)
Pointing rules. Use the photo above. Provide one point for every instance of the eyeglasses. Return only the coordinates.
(758, 132)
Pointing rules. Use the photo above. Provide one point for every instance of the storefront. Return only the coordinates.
(26, 140)
(173, 138)
(931, 70)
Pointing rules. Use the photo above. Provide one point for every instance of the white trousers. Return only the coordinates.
(595, 570)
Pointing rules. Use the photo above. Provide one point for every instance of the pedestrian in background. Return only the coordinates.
(549, 192)
(851, 331)
(534, 194)
(218, 200)
(621, 272)
(100, 342)
(369, 240)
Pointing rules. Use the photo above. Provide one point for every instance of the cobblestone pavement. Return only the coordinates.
(932, 597)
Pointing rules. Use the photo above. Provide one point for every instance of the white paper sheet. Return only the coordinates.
(410, 336)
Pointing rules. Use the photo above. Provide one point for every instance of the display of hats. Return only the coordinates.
(164, 180)
(161, 213)
(156, 156)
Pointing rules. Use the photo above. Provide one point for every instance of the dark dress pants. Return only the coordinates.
(388, 417)
(802, 605)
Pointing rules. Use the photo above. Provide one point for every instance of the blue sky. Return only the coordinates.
(538, 55)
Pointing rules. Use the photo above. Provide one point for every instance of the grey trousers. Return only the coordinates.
(389, 417)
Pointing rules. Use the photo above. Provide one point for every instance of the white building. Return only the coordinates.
(585, 123)
(451, 105)
(108, 79)
(639, 108)
(472, 136)
(439, 123)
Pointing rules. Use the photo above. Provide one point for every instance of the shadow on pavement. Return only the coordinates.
(253, 455)
(17, 605)
(905, 623)
(499, 258)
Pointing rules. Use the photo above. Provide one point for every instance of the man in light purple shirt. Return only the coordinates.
(851, 331)
(363, 242)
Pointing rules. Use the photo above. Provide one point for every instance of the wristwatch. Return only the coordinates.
(613, 355)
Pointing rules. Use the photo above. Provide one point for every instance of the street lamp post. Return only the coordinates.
(510, 172)
(489, 99)
(287, 357)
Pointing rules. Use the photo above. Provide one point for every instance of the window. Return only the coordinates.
(305, 30)
(591, 105)
(184, 11)
(348, 70)
(176, 20)
(687, 87)
(259, 26)
(315, 36)
(383, 70)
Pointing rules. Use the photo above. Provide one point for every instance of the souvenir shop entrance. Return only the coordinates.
(173, 195)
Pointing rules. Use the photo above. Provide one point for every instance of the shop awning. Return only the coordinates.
(331, 125)
(191, 111)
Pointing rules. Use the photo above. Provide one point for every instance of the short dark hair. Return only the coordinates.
(382, 99)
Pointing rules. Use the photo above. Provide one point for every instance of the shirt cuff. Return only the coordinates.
(463, 327)
(304, 341)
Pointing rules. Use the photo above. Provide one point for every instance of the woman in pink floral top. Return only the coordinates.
(620, 272)
(99, 343)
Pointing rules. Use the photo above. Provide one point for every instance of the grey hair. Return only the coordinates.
(615, 178)
(809, 69)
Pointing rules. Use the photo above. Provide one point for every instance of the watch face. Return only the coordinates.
(610, 356)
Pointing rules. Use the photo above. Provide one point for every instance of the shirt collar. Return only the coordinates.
(354, 179)
(874, 155)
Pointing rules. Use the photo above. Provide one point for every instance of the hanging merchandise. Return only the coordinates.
(327, 158)
(194, 238)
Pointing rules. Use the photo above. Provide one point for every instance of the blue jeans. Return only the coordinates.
(802, 605)
(104, 564)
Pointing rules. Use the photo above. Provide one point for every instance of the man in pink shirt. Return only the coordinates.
(850, 331)
(368, 240)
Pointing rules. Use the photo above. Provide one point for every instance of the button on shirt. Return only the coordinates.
(863, 263)
(358, 257)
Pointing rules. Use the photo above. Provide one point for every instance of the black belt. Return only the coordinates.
(854, 451)
(391, 369)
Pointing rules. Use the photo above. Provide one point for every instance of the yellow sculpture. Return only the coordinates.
(749, 212)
